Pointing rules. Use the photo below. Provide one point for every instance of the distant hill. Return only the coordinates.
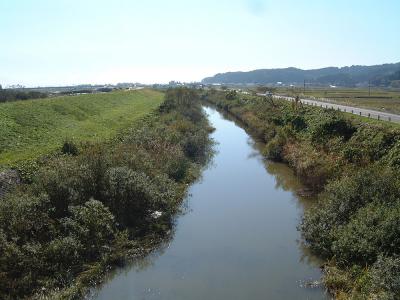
(345, 76)
(388, 80)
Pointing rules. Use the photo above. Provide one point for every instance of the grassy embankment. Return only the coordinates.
(104, 204)
(355, 168)
(381, 100)
(32, 128)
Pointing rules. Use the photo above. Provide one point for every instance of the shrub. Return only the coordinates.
(296, 121)
(385, 278)
(274, 148)
(26, 217)
(70, 148)
(372, 230)
(67, 182)
(342, 200)
(132, 196)
(353, 154)
(393, 156)
(329, 124)
(185, 101)
(231, 95)
(372, 141)
(195, 146)
(93, 225)
(310, 165)
(27, 170)
(63, 255)
(25, 229)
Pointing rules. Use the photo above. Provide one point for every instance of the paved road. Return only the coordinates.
(349, 109)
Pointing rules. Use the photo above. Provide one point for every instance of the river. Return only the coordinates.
(238, 238)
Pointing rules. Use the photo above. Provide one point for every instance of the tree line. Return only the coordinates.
(8, 95)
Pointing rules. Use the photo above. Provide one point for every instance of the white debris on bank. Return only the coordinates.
(156, 214)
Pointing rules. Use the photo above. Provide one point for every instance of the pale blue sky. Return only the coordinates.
(52, 42)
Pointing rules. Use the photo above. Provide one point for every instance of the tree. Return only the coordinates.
(270, 100)
(296, 103)
(231, 95)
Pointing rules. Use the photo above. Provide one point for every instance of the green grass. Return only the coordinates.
(33, 128)
(382, 100)
(373, 121)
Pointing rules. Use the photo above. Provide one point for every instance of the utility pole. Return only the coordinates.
(369, 88)
(304, 87)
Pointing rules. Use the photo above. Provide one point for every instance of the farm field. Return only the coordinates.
(32, 128)
(382, 100)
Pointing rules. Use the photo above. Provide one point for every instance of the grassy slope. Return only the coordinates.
(349, 97)
(29, 129)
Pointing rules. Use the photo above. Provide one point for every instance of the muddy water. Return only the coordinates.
(238, 239)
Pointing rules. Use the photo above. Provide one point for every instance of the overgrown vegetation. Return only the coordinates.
(97, 207)
(355, 168)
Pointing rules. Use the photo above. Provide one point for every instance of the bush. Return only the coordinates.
(26, 170)
(373, 141)
(393, 156)
(70, 148)
(310, 165)
(25, 229)
(66, 182)
(296, 121)
(185, 101)
(231, 95)
(385, 278)
(329, 124)
(372, 230)
(274, 148)
(63, 255)
(93, 225)
(133, 196)
(26, 217)
(196, 145)
(353, 154)
(342, 200)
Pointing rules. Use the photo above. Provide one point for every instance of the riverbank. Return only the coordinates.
(31, 129)
(354, 167)
(101, 204)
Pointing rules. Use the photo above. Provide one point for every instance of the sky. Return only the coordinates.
(68, 42)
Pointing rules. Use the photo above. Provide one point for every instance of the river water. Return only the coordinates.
(238, 239)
